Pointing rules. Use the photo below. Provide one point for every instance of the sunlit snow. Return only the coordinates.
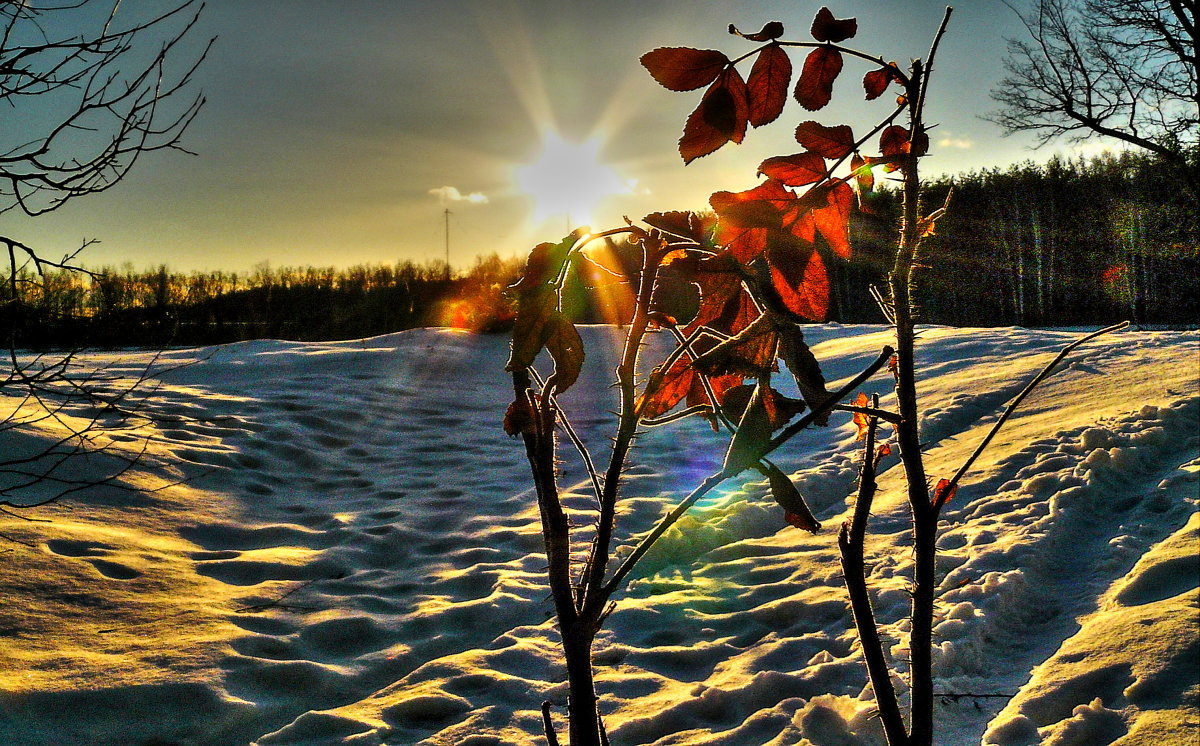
(355, 558)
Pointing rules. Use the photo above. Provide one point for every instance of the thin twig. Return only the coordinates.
(1043, 375)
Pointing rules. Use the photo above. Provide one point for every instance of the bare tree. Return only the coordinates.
(86, 87)
(1125, 69)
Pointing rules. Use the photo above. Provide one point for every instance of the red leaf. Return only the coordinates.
(892, 141)
(519, 418)
(801, 521)
(804, 290)
(684, 69)
(876, 82)
(827, 28)
(864, 179)
(794, 170)
(745, 219)
(667, 388)
(833, 220)
(943, 493)
(768, 83)
(772, 30)
(828, 142)
(815, 86)
(721, 117)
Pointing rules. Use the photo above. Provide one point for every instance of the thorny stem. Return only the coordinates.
(924, 514)
(851, 543)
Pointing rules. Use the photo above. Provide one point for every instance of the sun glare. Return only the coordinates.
(568, 181)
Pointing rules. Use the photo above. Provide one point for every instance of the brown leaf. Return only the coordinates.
(677, 223)
(535, 322)
(749, 353)
(796, 511)
(814, 88)
(804, 367)
(682, 68)
(828, 142)
(794, 170)
(876, 82)
(767, 86)
(566, 349)
(892, 141)
(721, 117)
(772, 30)
(827, 28)
(519, 418)
(753, 434)
(864, 178)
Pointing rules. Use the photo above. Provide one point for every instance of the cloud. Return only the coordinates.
(961, 143)
(448, 194)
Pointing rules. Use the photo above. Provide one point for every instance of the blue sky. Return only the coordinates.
(329, 123)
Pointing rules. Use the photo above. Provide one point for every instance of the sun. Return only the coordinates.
(568, 181)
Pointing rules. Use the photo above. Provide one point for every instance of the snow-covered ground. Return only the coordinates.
(354, 558)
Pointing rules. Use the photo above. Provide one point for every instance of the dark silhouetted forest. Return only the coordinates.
(1060, 243)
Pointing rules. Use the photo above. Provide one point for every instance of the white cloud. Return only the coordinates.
(961, 143)
(448, 194)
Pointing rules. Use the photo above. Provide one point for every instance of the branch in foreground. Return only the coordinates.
(709, 484)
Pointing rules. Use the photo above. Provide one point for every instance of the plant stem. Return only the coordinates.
(851, 542)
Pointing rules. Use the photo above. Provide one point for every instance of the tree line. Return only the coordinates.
(1081, 241)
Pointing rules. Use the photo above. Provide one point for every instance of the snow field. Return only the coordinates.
(355, 558)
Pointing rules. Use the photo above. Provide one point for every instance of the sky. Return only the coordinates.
(338, 132)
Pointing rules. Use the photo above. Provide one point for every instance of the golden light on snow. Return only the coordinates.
(568, 180)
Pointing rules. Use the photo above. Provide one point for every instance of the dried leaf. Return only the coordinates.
(535, 322)
(794, 170)
(828, 142)
(861, 421)
(566, 349)
(772, 30)
(665, 389)
(943, 493)
(677, 224)
(682, 68)
(827, 28)
(749, 353)
(796, 511)
(767, 86)
(864, 178)
(721, 117)
(876, 82)
(519, 418)
(892, 141)
(794, 352)
(814, 89)
(753, 434)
